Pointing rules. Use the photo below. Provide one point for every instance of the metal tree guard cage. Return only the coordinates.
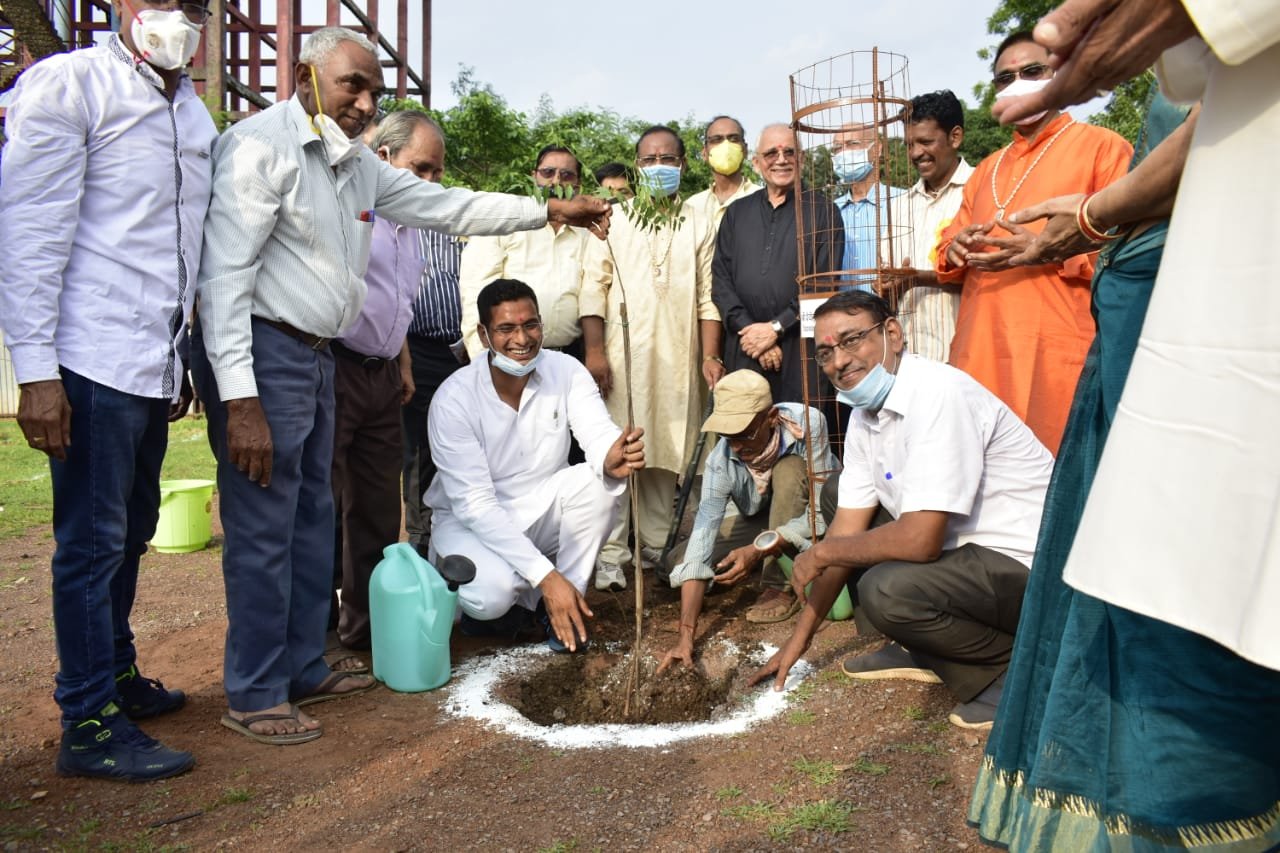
(863, 94)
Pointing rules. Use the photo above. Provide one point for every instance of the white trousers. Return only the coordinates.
(569, 534)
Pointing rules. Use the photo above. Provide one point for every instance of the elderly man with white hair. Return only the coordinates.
(287, 239)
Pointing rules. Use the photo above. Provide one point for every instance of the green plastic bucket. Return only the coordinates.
(186, 516)
(843, 607)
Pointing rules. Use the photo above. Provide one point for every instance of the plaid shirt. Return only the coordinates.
(726, 478)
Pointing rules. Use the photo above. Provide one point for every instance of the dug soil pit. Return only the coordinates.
(593, 688)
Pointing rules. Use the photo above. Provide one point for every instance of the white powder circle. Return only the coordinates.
(472, 696)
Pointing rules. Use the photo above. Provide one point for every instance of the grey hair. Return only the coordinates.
(395, 131)
(777, 125)
(325, 40)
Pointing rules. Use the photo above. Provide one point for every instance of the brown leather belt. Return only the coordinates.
(314, 341)
(368, 362)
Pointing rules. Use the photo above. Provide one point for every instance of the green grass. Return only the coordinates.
(869, 767)
(801, 718)
(753, 811)
(913, 712)
(818, 772)
(916, 748)
(824, 815)
(26, 498)
(729, 793)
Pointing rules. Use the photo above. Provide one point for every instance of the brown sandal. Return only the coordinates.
(773, 605)
(324, 690)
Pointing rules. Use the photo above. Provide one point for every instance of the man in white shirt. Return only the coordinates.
(935, 132)
(287, 240)
(549, 260)
(958, 483)
(103, 193)
(504, 494)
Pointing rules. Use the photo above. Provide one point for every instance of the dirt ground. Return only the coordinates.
(872, 766)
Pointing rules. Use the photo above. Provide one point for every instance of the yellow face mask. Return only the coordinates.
(726, 158)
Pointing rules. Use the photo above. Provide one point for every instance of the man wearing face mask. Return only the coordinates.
(373, 379)
(105, 183)
(295, 198)
(549, 260)
(665, 272)
(937, 512)
(855, 159)
(1023, 332)
(504, 495)
(724, 149)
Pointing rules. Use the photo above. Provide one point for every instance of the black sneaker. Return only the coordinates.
(145, 697)
(553, 642)
(111, 747)
(979, 713)
(509, 626)
(892, 661)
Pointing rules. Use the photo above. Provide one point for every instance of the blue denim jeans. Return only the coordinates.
(277, 557)
(106, 501)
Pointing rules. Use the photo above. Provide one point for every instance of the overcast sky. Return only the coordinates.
(667, 60)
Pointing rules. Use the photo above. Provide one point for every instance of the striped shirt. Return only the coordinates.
(287, 236)
(437, 309)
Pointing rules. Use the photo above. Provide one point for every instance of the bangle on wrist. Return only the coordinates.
(713, 358)
(691, 627)
(1087, 227)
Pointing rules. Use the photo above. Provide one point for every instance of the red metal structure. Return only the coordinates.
(249, 48)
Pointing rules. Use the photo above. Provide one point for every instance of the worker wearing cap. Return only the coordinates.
(761, 464)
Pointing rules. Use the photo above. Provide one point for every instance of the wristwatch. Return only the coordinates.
(776, 326)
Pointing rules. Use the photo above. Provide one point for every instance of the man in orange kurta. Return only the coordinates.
(1024, 331)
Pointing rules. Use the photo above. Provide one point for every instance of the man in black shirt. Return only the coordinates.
(756, 263)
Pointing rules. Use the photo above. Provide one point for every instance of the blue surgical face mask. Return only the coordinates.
(511, 367)
(874, 388)
(851, 165)
(661, 180)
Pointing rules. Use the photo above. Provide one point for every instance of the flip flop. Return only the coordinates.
(769, 609)
(241, 726)
(341, 656)
(324, 690)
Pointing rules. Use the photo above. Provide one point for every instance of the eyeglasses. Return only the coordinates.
(774, 154)
(735, 138)
(1034, 71)
(849, 343)
(508, 329)
(568, 176)
(196, 12)
(662, 159)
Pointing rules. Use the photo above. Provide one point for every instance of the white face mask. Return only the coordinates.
(166, 40)
(1021, 87)
(337, 144)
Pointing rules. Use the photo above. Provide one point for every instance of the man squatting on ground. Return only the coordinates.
(504, 494)
(102, 199)
(939, 506)
(761, 464)
(287, 240)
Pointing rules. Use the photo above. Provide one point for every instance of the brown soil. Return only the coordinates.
(398, 772)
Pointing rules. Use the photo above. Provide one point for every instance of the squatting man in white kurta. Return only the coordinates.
(504, 494)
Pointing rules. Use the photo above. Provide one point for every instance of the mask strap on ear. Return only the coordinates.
(315, 88)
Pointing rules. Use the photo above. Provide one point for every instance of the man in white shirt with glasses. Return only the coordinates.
(504, 494)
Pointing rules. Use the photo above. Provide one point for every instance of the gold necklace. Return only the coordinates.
(995, 195)
(657, 260)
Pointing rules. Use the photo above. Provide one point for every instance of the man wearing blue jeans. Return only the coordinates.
(287, 243)
(96, 280)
